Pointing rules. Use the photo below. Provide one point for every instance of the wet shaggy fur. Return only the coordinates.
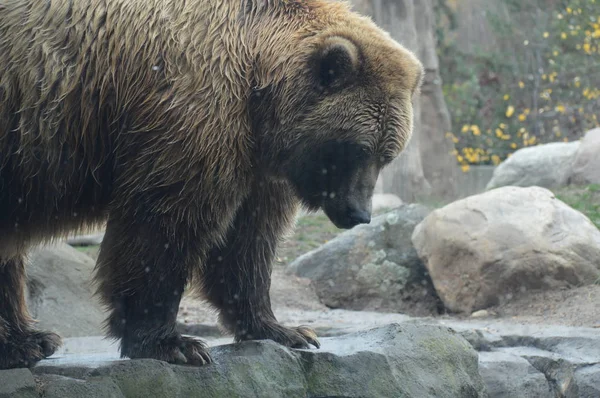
(194, 129)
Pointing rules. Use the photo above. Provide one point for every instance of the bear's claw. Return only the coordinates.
(26, 349)
(309, 335)
(181, 350)
(298, 337)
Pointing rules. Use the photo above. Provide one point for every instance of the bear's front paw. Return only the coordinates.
(25, 349)
(298, 337)
(182, 350)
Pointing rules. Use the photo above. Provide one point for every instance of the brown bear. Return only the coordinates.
(194, 129)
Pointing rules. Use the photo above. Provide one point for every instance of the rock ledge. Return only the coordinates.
(390, 361)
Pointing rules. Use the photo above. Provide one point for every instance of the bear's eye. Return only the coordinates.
(385, 159)
(363, 153)
(337, 63)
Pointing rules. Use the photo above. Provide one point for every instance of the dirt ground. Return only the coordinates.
(569, 307)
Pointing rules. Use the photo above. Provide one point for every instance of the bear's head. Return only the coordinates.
(338, 110)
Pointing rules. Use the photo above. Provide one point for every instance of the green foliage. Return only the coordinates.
(584, 199)
(539, 82)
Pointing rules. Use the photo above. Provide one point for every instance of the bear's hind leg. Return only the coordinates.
(20, 344)
(237, 277)
(141, 276)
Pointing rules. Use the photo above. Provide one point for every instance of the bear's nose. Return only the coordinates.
(359, 216)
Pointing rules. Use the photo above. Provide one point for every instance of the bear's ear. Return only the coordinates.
(337, 62)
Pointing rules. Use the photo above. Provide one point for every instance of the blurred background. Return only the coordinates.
(501, 75)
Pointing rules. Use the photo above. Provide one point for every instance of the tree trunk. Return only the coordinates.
(439, 165)
(404, 176)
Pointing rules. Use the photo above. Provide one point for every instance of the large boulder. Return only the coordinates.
(385, 201)
(586, 167)
(390, 361)
(488, 247)
(59, 284)
(372, 266)
(549, 166)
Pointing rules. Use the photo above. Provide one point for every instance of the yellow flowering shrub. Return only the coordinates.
(502, 99)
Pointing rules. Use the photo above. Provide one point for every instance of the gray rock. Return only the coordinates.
(535, 360)
(385, 201)
(560, 375)
(482, 250)
(17, 382)
(86, 240)
(372, 266)
(586, 167)
(98, 387)
(548, 165)
(60, 291)
(480, 314)
(508, 375)
(427, 361)
(578, 345)
(391, 361)
(200, 329)
(557, 345)
(588, 380)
